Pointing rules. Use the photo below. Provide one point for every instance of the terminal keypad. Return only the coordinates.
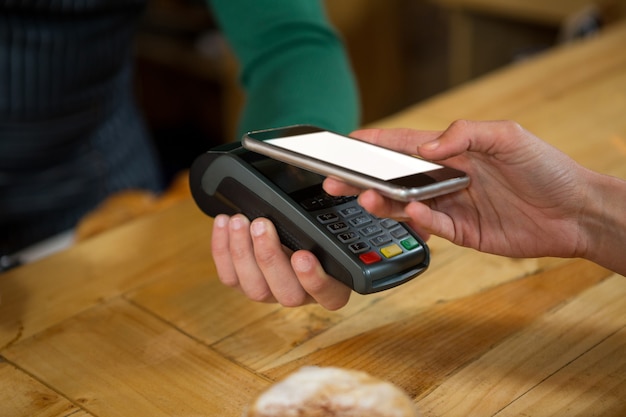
(370, 238)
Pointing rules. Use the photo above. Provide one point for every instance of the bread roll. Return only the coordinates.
(332, 392)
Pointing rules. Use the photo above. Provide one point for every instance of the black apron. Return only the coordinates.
(70, 134)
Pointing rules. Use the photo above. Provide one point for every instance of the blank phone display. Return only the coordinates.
(355, 155)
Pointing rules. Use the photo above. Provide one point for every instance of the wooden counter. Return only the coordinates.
(135, 323)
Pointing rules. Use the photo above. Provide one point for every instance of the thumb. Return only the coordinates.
(452, 142)
(489, 137)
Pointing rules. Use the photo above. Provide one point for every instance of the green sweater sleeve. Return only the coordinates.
(294, 68)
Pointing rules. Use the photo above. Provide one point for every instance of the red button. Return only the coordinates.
(370, 257)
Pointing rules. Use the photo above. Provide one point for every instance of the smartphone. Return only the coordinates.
(393, 174)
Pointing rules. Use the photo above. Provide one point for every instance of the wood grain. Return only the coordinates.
(515, 373)
(47, 292)
(422, 350)
(117, 360)
(287, 335)
(21, 395)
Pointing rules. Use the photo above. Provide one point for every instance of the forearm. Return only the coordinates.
(294, 68)
(604, 222)
(308, 85)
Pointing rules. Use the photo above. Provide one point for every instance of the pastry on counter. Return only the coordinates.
(332, 392)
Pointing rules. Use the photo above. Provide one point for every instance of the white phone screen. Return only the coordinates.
(355, 155)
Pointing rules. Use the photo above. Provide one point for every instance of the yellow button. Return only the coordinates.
(391, 251)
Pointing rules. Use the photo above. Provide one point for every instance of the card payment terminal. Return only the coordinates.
(367, 253)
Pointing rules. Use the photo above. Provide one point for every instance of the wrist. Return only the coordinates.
(603, 222)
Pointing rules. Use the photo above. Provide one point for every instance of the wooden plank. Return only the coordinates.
(195, 301)
(548, 355)
(23, 396)
(596, 381)
(263, 336)
(423, 350)
(460, 280)
(47, 292)
(287, 334)
(117, 360)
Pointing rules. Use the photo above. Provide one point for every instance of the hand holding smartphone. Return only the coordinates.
(395, 175)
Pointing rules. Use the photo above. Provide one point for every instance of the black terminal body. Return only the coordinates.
(366, 253)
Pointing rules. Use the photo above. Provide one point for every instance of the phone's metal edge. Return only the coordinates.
(437, 189)
(355, 179)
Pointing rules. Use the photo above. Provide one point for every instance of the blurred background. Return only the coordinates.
(402, 52)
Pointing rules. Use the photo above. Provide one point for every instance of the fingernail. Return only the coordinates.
(433, 144)
(236, 223)
(303, 264)
(221, 221)
(258, 228)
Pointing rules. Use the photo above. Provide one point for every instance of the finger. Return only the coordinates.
(326, 290)
(426, 221)
(386, 208)
(401, 140)
(251, 279)
(337, 187)
(463, 135)
(276, 266)
(380, 206)
(220, 248)
(424, 234)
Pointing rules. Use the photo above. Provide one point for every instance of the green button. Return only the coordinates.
(410, 243)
